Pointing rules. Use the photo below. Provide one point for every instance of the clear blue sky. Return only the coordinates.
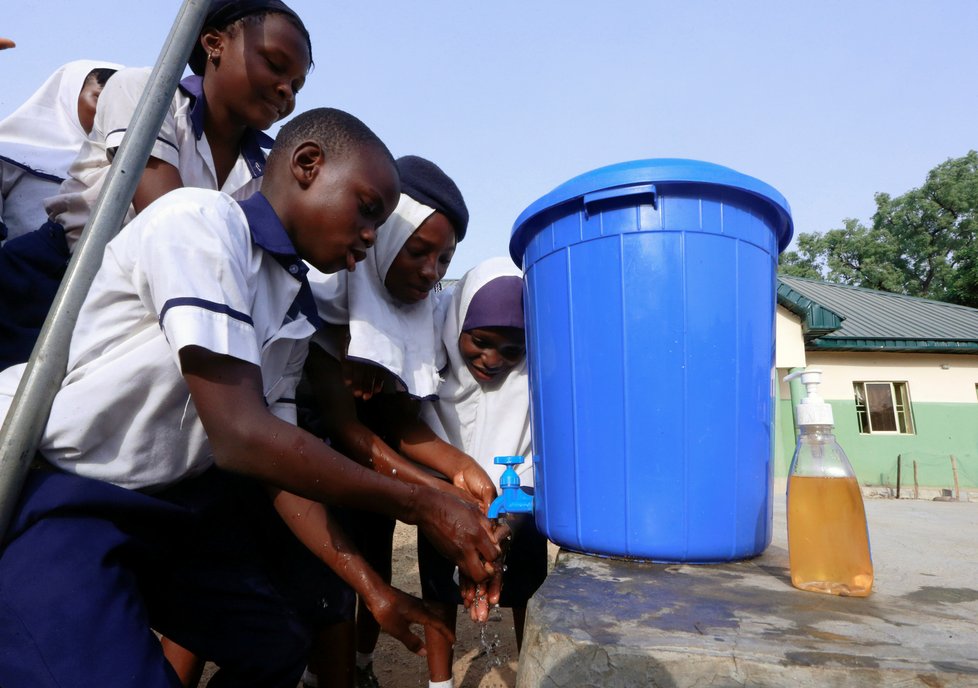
(829, 101)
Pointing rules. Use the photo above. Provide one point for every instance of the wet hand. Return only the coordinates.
(396, 611)
(459, 530)
(475, 481)
(480, 598)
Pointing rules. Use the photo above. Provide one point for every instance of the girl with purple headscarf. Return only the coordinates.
(483, 409)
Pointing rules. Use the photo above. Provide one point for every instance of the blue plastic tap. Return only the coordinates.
(512, 498)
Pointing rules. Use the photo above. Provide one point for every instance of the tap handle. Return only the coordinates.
(508, 460)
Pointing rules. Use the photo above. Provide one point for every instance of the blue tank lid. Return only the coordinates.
(651, 171)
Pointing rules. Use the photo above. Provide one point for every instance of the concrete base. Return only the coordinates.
(615, 623)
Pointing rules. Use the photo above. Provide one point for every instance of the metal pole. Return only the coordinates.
(24, 424)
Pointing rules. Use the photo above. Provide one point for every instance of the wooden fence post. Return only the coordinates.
(899, 457)
(954, 472)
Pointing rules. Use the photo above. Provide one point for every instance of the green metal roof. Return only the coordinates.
(844, 318)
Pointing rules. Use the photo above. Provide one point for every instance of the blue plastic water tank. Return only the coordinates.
(650, 299)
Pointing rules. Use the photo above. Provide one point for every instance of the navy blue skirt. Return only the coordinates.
(31, 269)
(89, 568)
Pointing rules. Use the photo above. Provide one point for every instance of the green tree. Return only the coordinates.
(921, 243)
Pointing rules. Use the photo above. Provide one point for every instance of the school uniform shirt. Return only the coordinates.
(181, 143)
(38, 142)
(194, 268)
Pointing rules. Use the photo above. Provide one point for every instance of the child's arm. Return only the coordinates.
(339, 415)
(245, 437)
(158, 178)
(393, 609)
(417, 441)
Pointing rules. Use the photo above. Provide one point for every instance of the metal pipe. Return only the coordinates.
(25, 422)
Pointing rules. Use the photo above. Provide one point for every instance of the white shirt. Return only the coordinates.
(194, 268)
(181, 143)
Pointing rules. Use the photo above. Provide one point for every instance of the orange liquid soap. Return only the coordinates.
(828, 545)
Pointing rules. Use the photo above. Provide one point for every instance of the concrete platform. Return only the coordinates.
(613, 623)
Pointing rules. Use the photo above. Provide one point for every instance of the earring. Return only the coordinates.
(214, 57)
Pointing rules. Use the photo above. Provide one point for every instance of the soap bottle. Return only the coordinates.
(828, 540)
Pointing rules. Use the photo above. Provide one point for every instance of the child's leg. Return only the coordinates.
(374, 536)
(317, 593)
(441, 655)
(519, 621)
(331, 659)
(188, 666)
(526, 569)
(439, 589)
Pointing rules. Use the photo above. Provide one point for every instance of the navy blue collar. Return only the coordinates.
(268, 232)
(253, 140)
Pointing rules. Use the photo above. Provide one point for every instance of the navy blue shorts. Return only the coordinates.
(526, 568)
(89, 568)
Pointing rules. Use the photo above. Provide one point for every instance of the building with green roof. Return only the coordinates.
(901, 374)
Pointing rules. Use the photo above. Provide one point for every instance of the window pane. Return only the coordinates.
(879, 398)
(903, 407)
(857, 388)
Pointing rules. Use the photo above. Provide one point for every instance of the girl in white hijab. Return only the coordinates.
(483, 409)
(40, 139)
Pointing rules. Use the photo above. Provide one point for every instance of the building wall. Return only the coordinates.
(944, 403)
(790, 349)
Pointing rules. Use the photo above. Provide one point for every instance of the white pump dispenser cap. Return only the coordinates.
(813, 410)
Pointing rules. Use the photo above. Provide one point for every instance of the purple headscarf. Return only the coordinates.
(499, 303)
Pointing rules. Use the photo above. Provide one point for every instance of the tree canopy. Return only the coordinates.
(921, 243)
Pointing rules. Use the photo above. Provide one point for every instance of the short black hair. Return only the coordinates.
(223, 14)
(100, 75)
(338, 133)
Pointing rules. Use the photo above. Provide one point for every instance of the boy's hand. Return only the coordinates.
(396, 611)
(459, 531)
(6, 43)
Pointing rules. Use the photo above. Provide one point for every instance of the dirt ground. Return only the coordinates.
(488, 663)
(474, 666)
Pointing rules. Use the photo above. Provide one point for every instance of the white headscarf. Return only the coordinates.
(484, 420)
(44, 135)
(398, 336)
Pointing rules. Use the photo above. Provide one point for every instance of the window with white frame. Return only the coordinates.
(883, 407)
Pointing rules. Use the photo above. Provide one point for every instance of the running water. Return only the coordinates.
(490, 641)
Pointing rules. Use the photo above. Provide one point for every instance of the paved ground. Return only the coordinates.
(599, 622)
